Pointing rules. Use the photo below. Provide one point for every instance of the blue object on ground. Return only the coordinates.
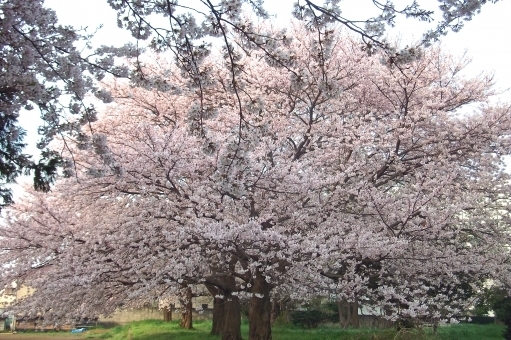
(78, 330)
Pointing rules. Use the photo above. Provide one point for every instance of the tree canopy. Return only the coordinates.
(325, 171)
(43, 67)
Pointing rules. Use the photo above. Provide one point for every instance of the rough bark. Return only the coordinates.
(226, 310)
(355, 321)
(186, 312)
(231, 329)
(348, 313)
(343, 313)
(218, 316)
(167, 313)
(276, 310)
(259, 315)
(218, 309)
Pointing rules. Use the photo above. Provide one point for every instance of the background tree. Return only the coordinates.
(42, 66)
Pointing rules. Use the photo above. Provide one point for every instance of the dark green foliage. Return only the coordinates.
(316, 311)
(488, 298)
(12, 159)
(496, 299)
(482, 320)
(13, 162)
(502, 308)
(45, 172)
(311, 318)
(405, 324)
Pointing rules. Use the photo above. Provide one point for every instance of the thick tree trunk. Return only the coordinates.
(343, 313)
(218, 309)
(231, 329)
(226, 311)
(167, 313)
(218, 316)
(348, 313)
(186, 312)
(259, 314)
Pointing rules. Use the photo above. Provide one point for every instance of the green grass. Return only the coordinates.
(156, 330)
(159, 330)
(475, 332)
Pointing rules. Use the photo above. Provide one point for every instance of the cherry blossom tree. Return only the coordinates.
(323, 172)
(399, 181)
(46, 66)
(43, 67)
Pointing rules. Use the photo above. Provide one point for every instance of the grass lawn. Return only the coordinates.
(159, 330)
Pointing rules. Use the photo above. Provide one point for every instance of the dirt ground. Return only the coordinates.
(42, 336)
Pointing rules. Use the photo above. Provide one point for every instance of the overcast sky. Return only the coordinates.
(486, 38)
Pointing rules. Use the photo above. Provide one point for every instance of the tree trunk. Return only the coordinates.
(167, 313)
(343, 313)
(276, 310)
(226, 311)
(218, 309)
(348, 313)
(186, 312)
(231, 329)
(355, 321)
(259, 314)
(218, 316)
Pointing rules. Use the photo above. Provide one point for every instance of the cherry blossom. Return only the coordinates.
(329, 172)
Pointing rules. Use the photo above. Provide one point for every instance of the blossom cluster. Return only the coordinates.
(341, 176)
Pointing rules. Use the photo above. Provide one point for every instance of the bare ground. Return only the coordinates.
(42, 336)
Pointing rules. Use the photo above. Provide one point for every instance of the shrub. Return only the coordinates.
(502, 309)
(309, 318)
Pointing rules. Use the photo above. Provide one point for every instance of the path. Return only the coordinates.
(41, 336)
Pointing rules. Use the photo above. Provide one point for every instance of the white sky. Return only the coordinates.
(486, 38)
